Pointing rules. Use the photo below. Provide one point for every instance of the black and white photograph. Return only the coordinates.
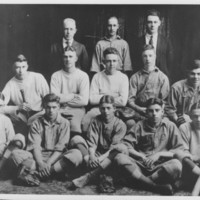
(100, 99)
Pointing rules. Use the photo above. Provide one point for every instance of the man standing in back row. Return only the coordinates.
(161, 44)
(57, 49)
(112, 39)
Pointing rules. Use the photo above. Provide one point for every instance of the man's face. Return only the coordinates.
(194, 77)
(51, 110)
(149, 58)
(195, 116)
(69, 29)
(112, 26)
(155, 114)
(107, 111)
(20, 69)
(69, 59)
(153, 23)
(111, 62)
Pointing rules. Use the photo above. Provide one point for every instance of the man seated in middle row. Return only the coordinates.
(46, 152)
(110, 81)
(72, 86)
(147, 83)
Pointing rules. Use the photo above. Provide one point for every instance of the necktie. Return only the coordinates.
(151, 40)
(67, 46)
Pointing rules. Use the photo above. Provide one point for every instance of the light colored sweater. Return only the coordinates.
(116, 85)
(72, 88)
(35, 87)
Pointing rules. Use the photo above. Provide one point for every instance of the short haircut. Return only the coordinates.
(50, 98)
(20, 58)
(107, 99)
(66, 20)
(195, 106)
(153, 12)
(194, 64)
(69, 48)
(110, 50)
(153, 101)
(148, 47)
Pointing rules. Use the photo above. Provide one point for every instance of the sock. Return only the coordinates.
(63, 165)
(196, 189)
(191, 166)
(160, 176)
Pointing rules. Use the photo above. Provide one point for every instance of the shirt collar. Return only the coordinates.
(143, 71)
(108, 39)
(65, 42)
(155, 35)
(187, 86)
(164, 122)
(57, 121)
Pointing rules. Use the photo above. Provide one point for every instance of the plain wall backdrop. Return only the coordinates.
(30, 29)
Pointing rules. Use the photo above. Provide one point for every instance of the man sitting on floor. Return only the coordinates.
(190, 133)
(104, 135)
(152, 143)
(48, 137)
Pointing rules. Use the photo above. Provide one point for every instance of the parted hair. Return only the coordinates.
(147, 47)
(20, 58)
(107, 99)
(194, 64)
(110, 50)
(50, 98)
(153, 12)
(153, 101)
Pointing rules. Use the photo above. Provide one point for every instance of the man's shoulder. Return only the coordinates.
(4, 119)
(136, 74)
(81, 73)
(57, 73)
(78, 44)
(179, 84)
(167, 122)
(35, 74)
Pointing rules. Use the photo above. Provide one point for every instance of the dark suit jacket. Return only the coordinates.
(57, 53)
(164, 54)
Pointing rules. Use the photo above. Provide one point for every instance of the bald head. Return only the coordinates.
(69, 28)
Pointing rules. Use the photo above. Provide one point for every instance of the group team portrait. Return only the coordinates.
(100, 99)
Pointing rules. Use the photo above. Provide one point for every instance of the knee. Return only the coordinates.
(130, 123)
(77, 140)
(75, 125)
(180, 155)
(121, 159)
(175, 169)
(75, 157)
(18, 156)
(18, 141)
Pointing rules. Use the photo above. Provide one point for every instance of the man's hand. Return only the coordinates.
(196, 159)
(44, 169)
(142, 110)
(93, 162)
(24, 107)
(150, 160)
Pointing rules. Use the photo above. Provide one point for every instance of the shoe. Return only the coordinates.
(166, 189)
(26, 177)
(106, 184)
(82, 181)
